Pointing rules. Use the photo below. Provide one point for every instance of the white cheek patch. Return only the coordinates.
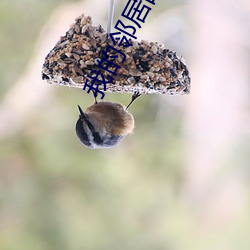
(90, 135)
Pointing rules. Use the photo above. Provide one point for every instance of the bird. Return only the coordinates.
(104, 124)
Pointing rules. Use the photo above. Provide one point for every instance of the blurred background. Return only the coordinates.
(180, 182)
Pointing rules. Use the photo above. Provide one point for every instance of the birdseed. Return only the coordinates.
(149, 67)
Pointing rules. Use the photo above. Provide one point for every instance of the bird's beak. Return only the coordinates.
(82, 115)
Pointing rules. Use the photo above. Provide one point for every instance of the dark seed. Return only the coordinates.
(45, 77)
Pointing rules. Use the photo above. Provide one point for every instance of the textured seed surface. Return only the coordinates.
(148, 68)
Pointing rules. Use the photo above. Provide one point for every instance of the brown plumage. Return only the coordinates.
(104, 125)
(110, 117)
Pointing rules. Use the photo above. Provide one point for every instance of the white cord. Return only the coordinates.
(110, 15)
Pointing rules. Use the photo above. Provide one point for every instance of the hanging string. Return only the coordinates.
(110, 15)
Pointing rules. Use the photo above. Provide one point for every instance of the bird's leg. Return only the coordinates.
(94, 96)
(134, 97)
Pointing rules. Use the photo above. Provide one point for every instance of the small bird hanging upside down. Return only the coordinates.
(104, 124)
